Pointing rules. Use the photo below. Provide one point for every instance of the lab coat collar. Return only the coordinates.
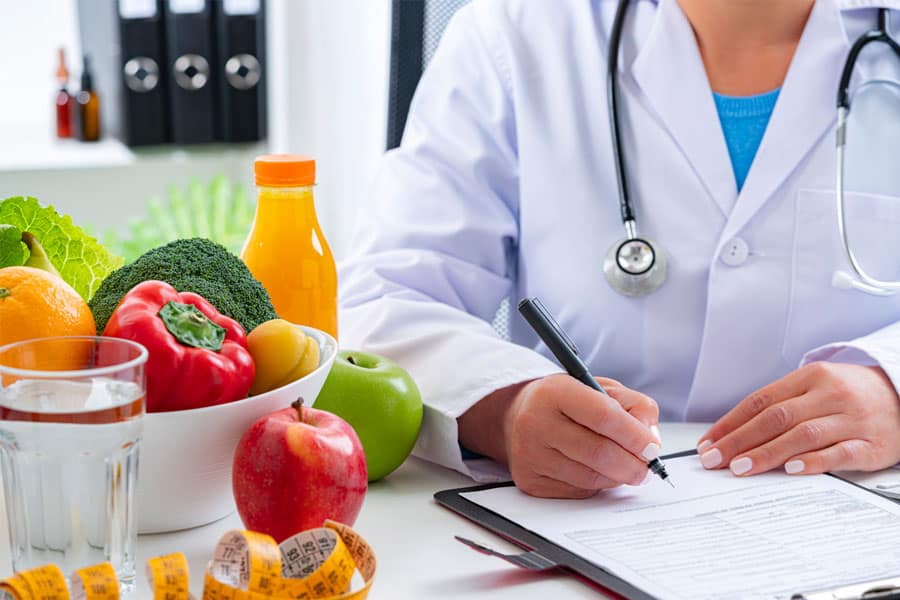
(804, 113)
(669, 71)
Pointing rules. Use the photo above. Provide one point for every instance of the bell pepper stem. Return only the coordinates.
(191, 327)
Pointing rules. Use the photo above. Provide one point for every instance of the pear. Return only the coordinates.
(38, 258)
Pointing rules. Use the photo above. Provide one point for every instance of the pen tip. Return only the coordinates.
(669, 481)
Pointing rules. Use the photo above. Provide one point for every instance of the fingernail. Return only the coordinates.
(793, 467)
(703, 446)
(655, 430)
(651, 451)
(711, 458)
(741, 465)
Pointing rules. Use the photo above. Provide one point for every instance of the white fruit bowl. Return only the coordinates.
(184, 477)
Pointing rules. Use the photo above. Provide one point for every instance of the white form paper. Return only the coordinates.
(720, 536)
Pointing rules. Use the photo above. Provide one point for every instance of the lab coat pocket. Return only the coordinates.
(819, 313)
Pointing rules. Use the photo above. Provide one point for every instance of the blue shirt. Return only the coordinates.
(744, 120)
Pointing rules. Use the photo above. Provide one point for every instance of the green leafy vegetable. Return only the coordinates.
(80, 259)
(220, 211)
(13, 251)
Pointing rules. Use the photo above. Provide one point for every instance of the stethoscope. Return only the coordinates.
(637, 266)
(842, 279)
(634, 266)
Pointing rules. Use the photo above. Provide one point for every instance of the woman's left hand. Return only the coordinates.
(821, 417)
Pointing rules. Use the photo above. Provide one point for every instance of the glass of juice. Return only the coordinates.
(70, 429)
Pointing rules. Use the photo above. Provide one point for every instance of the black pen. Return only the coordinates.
(566, 353)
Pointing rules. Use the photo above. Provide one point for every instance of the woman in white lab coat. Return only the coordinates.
(504, 187)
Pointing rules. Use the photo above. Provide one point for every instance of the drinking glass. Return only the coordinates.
(70, 429)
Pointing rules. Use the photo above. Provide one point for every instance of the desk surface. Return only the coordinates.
(412, 537)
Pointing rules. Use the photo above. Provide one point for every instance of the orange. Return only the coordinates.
(35, 304)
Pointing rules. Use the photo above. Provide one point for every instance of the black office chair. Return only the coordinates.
(416, 29)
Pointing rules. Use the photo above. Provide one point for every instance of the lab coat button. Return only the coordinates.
(734, 252)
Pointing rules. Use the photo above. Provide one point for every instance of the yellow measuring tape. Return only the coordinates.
(318, 564)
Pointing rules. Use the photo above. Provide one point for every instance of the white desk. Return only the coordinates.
(412, 537)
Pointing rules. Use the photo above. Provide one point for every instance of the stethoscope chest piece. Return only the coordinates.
(635, 266)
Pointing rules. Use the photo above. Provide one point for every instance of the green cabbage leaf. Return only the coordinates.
(81, 260)
(13, 251)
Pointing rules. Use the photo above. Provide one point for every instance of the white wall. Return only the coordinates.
(328, 62)
(335, 101)
(30, 33)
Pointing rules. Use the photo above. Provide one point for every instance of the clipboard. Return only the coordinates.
(529, 541)
(541, 553)
(554, 555)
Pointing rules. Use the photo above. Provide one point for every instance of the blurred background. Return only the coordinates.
(316, 82)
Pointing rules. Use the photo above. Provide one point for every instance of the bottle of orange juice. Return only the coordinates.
(286, 249)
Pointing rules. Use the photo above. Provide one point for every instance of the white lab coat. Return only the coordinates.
(504, 188)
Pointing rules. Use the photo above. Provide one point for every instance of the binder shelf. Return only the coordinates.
(179, 71)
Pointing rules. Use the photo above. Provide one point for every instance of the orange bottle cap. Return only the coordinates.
(284, 170)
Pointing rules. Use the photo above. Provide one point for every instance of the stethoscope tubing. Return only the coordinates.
(880, 34)
(866, 282)
(625, 280)
(612, 99)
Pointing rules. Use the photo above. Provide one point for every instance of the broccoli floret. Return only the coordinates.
(192, 265)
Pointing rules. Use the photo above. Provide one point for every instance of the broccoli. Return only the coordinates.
(191, 265)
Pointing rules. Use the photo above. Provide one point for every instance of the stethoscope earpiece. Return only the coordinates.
(843, 280)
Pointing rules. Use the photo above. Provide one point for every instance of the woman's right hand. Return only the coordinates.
(562, 439)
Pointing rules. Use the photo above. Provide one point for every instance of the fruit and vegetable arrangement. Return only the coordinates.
(191, 265)
(189, 303)
(188, 340)
(214, 337)
(32, 235)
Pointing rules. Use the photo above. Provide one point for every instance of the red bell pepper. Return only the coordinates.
(198, 357)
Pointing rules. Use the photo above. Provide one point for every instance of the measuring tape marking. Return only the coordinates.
(47, 583)
(95, 583)
(169, 576)
(317, 565)
(313, 565)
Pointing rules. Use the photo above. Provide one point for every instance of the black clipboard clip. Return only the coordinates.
(883, 589)
(531, 560)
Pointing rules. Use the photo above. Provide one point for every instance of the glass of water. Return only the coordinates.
(70, 429)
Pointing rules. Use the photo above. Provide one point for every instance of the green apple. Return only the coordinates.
(382, 403)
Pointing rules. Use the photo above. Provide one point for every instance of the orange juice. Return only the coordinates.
(286, 249)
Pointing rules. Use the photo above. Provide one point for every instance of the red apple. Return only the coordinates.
(295, 468)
